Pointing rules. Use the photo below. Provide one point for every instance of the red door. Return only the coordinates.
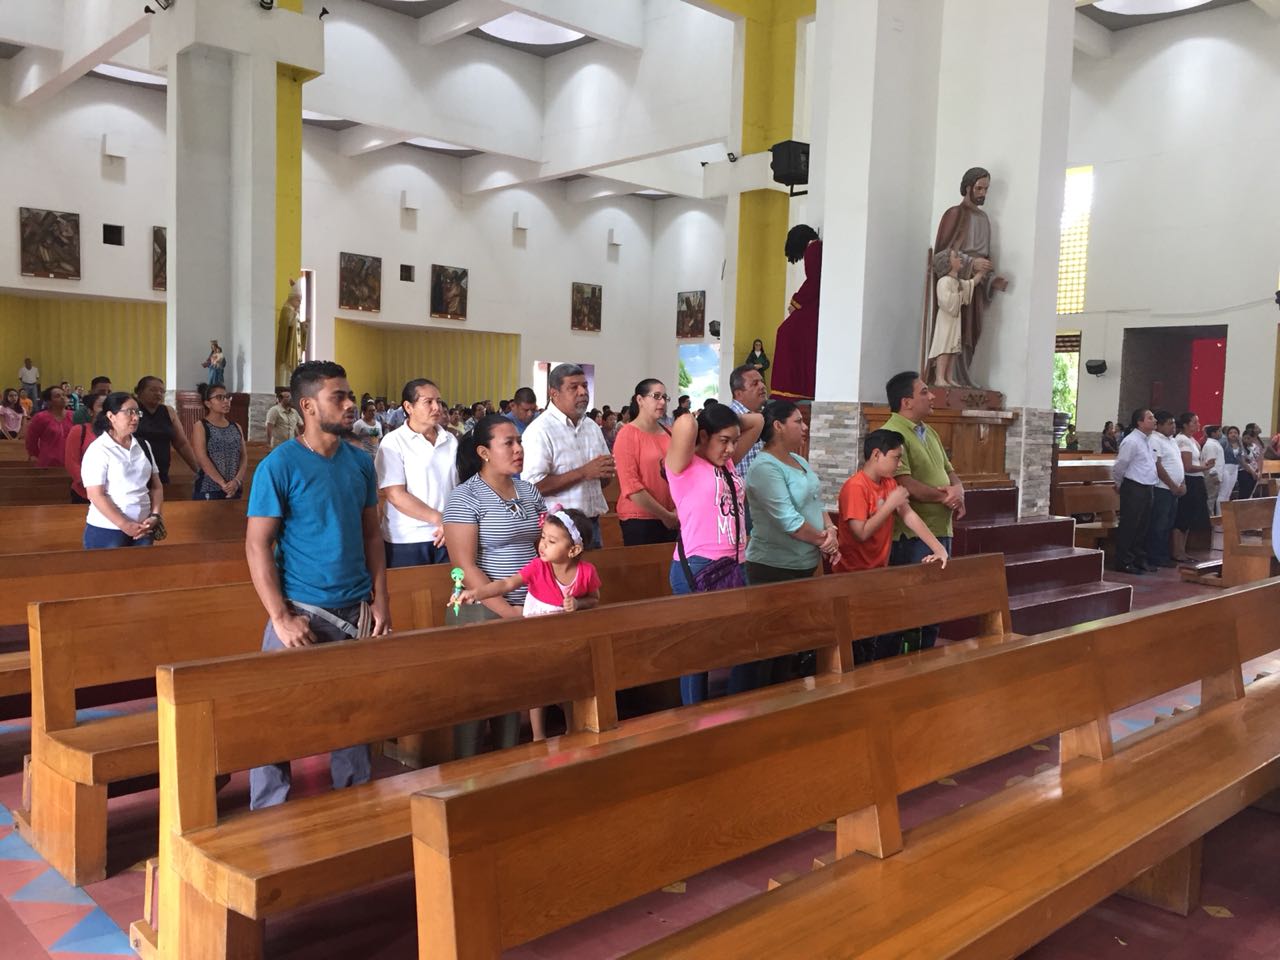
(1208, 373)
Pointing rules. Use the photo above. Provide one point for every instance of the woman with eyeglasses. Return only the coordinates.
(121, 479)
(219, 448)
(491, 530)
(646, 512)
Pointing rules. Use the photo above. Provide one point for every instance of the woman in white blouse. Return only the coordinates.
(120, 479)
(1193, 507)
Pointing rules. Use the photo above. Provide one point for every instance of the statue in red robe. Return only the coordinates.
(795, 352)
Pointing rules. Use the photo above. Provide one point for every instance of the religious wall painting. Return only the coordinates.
(691, 315)
(49, 243)
(449, 292)
(359, 282)
(585, 307)
(159, 258)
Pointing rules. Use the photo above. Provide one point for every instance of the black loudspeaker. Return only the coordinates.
(715, 328)
(1096, 367)
(790, 163)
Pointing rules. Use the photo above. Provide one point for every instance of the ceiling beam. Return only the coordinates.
(1091, 38)
(1270, 7)
(618, 22)
(357, 141)
(459, 18)
(598, 188)
(94, 34)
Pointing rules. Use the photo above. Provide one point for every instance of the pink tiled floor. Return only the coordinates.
(1241, 873)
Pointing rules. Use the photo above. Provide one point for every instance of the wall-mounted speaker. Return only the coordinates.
(1095, 367)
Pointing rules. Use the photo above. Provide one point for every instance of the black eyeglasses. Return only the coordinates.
(658, 396)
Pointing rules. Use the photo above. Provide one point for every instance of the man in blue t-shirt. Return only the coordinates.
(315, 548)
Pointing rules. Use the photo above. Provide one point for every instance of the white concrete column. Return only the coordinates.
(871, 188)
(1004, 104)
(875, 94)
(222, 106)
(200, 123)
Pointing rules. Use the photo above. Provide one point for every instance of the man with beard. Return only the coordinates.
(315, 549)
(565, 454)
(967, 230)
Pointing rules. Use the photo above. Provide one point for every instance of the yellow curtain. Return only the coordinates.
(77, 339)
(467, 365)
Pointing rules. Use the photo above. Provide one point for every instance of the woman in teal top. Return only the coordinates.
(790, 529)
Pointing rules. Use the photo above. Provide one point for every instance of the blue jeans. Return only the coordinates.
(349, 766)
(911, 550)
(100, 538)
(693, 687)
(596, 540)
(1164, 510)
(415, 554)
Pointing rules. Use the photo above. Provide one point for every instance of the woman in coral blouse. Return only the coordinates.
(646, 512)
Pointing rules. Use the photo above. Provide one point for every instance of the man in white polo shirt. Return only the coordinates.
(1134, 474)
(417, 468)
(29, 377)
(565, 454)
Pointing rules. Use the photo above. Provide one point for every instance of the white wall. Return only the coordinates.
(52, 159)
(688, 254)
(607, 104)
(520, 281)
(1180, 124)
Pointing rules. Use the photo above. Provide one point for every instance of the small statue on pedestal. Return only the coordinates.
(292, 335)
(964, 235)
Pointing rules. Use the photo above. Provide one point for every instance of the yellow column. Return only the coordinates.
(289, 81)
(768, 104)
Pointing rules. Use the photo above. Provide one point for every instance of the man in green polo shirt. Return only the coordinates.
(100, 385)
(925, 473)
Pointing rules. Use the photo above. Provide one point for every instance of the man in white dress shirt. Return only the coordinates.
(417, 469)
(1134, 474)
(565, 454)
(1169, 487)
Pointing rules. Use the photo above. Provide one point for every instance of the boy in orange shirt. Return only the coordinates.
(868, 502)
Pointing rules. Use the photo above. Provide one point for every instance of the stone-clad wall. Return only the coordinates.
(1028, 458)
(836, 430)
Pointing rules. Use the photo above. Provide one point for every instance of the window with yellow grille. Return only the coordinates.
(1073, 255)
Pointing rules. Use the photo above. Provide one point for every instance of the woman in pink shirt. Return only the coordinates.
(47, 433)
(646, 512)
(710, 504)
(12, 416)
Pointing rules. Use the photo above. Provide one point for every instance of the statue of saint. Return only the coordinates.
(965, 231)
(291, 335)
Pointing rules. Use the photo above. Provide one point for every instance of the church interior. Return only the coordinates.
(1057, 217)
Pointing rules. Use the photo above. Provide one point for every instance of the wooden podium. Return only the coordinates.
(973, 439)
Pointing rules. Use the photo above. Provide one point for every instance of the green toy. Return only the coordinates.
(457, 575)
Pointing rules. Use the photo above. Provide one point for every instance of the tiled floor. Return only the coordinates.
(42, 917)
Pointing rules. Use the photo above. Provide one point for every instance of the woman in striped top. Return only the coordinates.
(491, 530)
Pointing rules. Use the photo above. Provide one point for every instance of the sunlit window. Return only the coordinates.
(1073, 255)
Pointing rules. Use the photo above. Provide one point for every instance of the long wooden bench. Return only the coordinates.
(994, 878)
(1086, 488)
(1247, 553)
(34, 529)
(89, 642)
(221, 878)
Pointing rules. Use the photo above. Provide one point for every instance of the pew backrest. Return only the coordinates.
(32, 529)
(617, 819)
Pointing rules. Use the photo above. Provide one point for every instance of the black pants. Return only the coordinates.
(789, 666)
(1135, 518)
(636, 533)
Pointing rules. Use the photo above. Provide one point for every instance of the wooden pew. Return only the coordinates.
(1086, 488)
(34, 529)
(93, 641)
(994, 878)
(221, 879)
(1246, 546)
